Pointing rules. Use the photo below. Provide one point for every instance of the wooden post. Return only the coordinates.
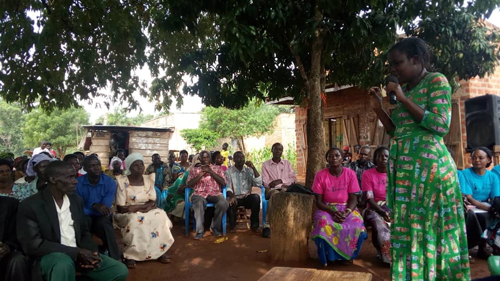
(291, 220)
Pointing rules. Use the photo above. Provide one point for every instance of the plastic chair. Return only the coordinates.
(327, 253)
(264, 205)
(187, 207)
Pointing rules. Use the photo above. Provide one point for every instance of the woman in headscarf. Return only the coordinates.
(115, 168)
(175, 199)
(144, 227)
(36, 168)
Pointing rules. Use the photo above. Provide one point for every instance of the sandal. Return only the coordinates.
(165, 259)
(131, 264)
(345, 262)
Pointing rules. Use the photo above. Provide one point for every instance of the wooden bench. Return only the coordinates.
(309, 274)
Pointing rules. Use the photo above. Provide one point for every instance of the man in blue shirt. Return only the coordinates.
(98, 192)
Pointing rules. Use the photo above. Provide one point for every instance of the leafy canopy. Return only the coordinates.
(200, 138)
(11, 123)
(255, 119)
(63, 128)
(62, 51)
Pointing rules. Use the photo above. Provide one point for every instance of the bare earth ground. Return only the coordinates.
(238, 259)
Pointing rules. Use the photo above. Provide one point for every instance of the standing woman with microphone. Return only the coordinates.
(428, 240)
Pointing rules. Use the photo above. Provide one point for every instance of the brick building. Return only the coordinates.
(350, 121)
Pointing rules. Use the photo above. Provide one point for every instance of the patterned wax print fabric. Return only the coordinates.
(175, 199)
(21, 191)
(428, 231)
(381, 232)
(145, 235)
(342, 237)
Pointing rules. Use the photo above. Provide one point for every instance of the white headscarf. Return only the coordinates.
(196, 160)
(131, 159)
(35, 160)
(115, 159)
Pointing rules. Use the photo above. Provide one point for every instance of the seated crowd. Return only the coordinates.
(56, 206)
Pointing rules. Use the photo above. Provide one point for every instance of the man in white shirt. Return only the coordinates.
(239, 182)
(40, 149)
(52, 230)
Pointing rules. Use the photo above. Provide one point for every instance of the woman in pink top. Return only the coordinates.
(338, 226)
(376, 215)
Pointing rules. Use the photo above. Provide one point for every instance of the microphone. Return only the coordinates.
(392, 94)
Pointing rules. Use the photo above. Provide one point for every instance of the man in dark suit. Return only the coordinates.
(13, 264)
(52, 228)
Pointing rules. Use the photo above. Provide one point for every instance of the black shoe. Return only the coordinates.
(266, 232)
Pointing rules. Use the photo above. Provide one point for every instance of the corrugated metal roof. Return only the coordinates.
(127, 128)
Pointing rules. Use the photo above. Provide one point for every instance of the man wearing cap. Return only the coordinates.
(347, 156)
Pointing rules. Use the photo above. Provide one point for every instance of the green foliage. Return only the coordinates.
(63, 128)
(119, 117)
(11, 123)
(259, 156)
(200, 138)
(59, 52)
(254, 119)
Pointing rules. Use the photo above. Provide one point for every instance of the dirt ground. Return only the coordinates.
(238, 258)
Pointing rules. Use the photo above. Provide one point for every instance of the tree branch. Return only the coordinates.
(298, 60)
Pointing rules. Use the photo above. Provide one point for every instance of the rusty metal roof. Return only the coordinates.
(127, 128)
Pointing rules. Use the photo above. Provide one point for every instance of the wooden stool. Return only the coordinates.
(241, 216)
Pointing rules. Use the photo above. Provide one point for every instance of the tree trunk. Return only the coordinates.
(290, 218)
(241, 144)
(315, 130)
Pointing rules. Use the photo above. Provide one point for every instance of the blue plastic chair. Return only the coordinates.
(264, 205)
(187, 207)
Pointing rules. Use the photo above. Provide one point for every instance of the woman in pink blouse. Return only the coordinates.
(376, 215)
(338, 226)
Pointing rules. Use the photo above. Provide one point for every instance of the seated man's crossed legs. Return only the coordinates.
(251, 202)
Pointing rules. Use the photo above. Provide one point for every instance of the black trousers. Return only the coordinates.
(251, 202)
(15, 267)
(102, 227)
(476, 224)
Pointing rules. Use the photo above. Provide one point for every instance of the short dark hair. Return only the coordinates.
(377, 152)
(54, 168)
(275, 144)
(332, 149)
(6, 162)
(48, 143)
(183, 151)
(414, 46)
(485, 150)
(119, 150)
(238, 152)
(154, 154)
(214, 156)
(87, 160)
(201, 154)
(79, 153)
(67, 157)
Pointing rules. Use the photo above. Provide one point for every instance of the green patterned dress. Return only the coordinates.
(428, 240)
